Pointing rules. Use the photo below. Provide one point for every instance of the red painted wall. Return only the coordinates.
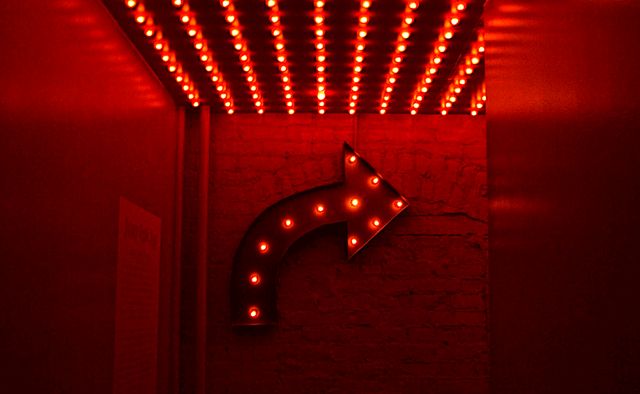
(563, 122)
(408, 313)
(82, 122)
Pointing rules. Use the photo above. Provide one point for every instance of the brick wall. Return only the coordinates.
(408, 313)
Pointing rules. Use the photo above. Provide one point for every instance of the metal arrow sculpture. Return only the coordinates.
(364, 200)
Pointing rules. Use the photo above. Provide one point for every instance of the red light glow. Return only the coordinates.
(354, 202)
(398, 203)
(255, 279)
(263, 247)
(254, 312)
(320, 209)
(353, 241)
(287, 223)
(375, 223)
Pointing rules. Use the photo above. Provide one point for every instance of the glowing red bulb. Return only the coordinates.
(353, 241)
(398, 203)
(375, 180)
(320, 209)
(254, 312)
(140, 19)
(131, 3)
(375, 223)
(254, 279)
(263, 247)
(354, 202)
(352, 159)
(460, 7)
(287, 223)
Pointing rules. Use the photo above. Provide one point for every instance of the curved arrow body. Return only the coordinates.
(364, 200)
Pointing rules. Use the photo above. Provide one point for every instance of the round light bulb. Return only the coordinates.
(254, 279)
(254, 312)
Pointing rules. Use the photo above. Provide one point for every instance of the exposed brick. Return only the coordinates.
(409, 313)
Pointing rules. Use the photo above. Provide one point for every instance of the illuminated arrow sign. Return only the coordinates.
(364, 200)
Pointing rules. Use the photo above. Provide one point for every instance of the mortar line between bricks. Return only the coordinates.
(463, 214)
(354, 130)
(430, 235)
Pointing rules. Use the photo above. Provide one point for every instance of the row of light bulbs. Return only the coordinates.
(200, 44)
(321, 53)
(479, 99)
(361, 34)
(281, 54)
(155, 36)
(446, 33)
(465, 68)
(241, 47)
(398, 54)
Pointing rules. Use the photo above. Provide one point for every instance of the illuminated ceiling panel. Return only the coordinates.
(297, 56)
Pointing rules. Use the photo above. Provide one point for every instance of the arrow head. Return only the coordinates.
(372, 202)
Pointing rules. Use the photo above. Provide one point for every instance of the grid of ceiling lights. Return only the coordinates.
(398, 54)
(187, 17)
(452, 19)
(281, 54)
(161, 45)
(240, 45)
(465, 69)
(363, 19)
(321, 54)
(194, 31)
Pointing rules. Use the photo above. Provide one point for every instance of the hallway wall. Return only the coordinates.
(82, 122)
(409, 312)
(563, 134)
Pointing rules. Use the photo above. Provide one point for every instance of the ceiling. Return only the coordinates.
(256, 56)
